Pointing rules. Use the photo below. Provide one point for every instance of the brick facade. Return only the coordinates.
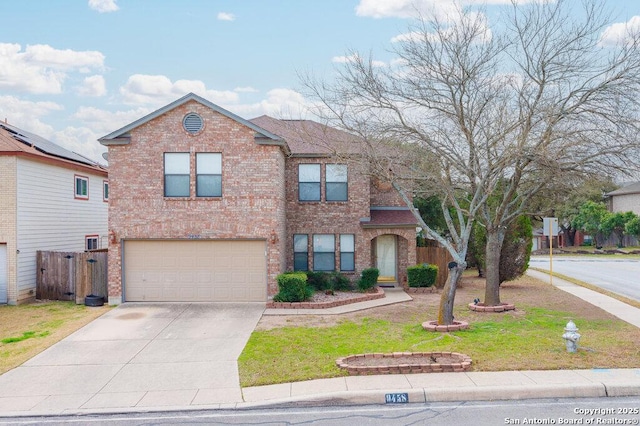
(259, 195)
(251, 207)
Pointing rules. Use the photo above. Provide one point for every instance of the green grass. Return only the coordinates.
(27, 330)
(506, 342)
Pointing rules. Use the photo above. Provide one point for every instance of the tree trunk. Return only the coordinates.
(445, 314)
(495, 238)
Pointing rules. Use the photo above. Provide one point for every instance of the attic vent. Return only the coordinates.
(192, 123)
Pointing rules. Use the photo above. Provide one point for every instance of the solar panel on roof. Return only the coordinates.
(43, 145)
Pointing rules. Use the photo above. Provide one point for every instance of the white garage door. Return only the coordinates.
(195, 271)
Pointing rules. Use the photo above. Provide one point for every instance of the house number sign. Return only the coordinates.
(396, 398)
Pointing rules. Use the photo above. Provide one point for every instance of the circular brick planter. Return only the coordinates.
(456, 326)
(481, 307)
(404, 363)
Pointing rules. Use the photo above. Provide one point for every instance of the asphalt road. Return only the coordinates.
(621, 276)
(612, 410)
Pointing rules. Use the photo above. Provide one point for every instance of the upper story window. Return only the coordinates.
(105, 190)
(336, 182)
(324, 256)
(300, 252)
(208, 174)
(176, 174)
(81, 187)
(309, 182)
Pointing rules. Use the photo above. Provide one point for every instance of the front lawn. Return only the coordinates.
(27, 330)
(295, 348)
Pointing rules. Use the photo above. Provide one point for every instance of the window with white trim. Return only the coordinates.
(347, 252)
(300, 252)
(336, 182)
(105, 190)
(208, 174)
(81, 184)
(309, 182)
(176, 174)
(324, 252)
(91, 242)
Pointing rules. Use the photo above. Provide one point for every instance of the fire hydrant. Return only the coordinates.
(571, 337)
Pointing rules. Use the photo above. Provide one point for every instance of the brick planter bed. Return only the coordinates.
(456, 326)
(377, 294)
(480, 307)
(404, 363)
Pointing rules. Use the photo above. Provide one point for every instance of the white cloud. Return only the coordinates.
(81, 140)
(474, 20)
(280, 103)
(619, 32)
(42, 69)
(104, 122)
(246, 89)
(402, 8)
(414, 8)
(27, 115)
(353, 58)
(159, 89)
(93, 86)
(103, 6)
(224, 16)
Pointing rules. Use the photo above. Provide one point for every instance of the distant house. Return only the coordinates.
(50, 199)
(624, 199)
(208, 206)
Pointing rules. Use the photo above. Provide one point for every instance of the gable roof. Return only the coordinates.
(122, 136)
(307, 137)
(15, 141)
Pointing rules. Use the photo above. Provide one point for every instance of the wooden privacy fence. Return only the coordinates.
(435, 256)
(71, 275)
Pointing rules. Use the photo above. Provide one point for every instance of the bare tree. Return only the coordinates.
(492, 116)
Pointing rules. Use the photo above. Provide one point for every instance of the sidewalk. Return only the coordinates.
(352, 390)
(468, 386)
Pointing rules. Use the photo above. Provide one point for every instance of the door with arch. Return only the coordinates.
(386, 258)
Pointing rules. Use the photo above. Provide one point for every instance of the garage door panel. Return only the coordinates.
(205, 271)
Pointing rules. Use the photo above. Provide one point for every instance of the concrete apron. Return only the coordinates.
(138, 355)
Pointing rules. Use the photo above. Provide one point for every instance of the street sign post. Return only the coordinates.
(550, 229)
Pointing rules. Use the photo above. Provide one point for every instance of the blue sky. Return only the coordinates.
(75, 70)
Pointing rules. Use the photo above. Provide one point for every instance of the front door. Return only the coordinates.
(386, 257)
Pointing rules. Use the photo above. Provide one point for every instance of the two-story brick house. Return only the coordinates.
(208, 206)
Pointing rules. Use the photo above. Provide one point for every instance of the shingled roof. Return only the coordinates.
(634, 188)
(386, 217)
(15, 141)
(307, 137)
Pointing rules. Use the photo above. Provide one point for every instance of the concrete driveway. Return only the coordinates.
(138, 355)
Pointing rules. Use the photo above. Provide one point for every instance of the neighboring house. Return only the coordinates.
(50, 199)
(207, 206)
(624, 199)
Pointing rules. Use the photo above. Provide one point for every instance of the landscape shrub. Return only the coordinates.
(368, 279)
(340, 282)
(423, 275)
(293, 287)
(319, 281)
